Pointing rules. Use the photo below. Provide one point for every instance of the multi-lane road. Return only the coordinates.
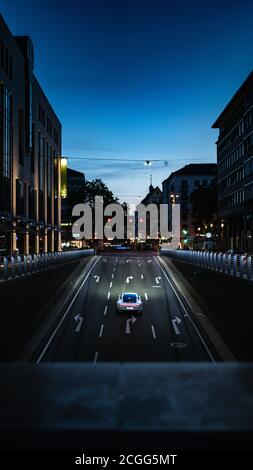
(91, 330)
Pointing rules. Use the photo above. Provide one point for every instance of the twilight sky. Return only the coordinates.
(137, 79)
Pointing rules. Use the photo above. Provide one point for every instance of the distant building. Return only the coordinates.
(75, 195)
(178, 187)
(30, 151)
(235, 168)
(154, 196)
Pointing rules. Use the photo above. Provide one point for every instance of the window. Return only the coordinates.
(205, 183)
(33, 150)
(21, 135)
(184, 183)
(129, 298)
(41, 162)
(7, 131)
(11, 68)
(6, 61)
(196, 183)
(2, 54)
(56, 136)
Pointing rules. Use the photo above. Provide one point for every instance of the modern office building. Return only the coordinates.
(30, 154)
(75, 195)
(235, 168)
(178, 187)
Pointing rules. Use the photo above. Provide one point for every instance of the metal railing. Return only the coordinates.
(15, 266)
(234, 265)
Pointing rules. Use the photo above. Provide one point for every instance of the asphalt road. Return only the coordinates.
(92, 330)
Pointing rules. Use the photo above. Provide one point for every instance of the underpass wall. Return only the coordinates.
(26, 301)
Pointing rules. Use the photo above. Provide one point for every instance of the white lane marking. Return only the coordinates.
(78, 319)
(114, 269)
(178, 345)
(176, 321)
(105, 310)
(142, 276)
(105, 260)
(101, 331)
(110, 285)
(112, 276)
(157, 279)
(146, 296)
(184, 309)
(97, 278)
(128, 326)
(150, 260)
(133, 320)
(128, 279)
(96, 357)
(108, 296)
(159, 287)
(153, 332)
(66, 313)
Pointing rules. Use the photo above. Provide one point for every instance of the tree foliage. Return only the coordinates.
(97, 187)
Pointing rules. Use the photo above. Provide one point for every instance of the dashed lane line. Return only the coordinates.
(101, 331)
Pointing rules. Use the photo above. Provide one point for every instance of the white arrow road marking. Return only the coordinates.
(146, 296)
(142, 276)
(133, 320)
(105, 260)
(153, 332)
(128, 260)
(108, 296)
(157, 279)
(128, 279)
(176, 321)
(96, 357)
(110, 284)
(97, 278)
(150, 260)
(101, 331)
(78, 319)
(105, 310)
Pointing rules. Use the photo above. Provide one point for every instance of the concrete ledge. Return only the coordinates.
(131, 399)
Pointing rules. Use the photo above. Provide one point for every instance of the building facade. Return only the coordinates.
(75, 195)
(154, 196)
(30, 154)
(177, 189)
(235, 168)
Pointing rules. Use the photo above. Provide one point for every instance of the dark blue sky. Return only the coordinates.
(136, 78)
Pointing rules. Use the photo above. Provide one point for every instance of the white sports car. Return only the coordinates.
(129, 302)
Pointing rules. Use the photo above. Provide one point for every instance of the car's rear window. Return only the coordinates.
(129, 298)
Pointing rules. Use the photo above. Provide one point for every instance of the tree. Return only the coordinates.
(97, 187)
(204, 204)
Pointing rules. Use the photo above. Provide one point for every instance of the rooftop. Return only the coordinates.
(235, 100)
(196, 169)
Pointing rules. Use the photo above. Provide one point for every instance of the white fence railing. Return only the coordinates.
(12, 267)
(235, 265)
